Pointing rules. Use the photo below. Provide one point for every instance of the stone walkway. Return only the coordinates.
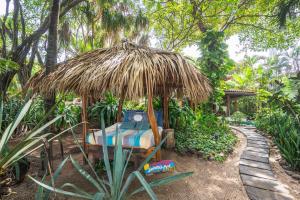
(255, 170)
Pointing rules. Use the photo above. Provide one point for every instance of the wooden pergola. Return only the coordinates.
(234, 95)
(130, 72)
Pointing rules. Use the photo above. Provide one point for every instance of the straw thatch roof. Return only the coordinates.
(126, 69)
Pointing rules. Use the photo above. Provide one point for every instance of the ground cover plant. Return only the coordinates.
(201, 133)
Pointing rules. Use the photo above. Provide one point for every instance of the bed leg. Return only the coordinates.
(136, 161)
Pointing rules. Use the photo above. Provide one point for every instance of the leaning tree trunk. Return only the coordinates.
(51, 59)
(20, 51)
(51, 52)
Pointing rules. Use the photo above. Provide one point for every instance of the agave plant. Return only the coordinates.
(9, 157)
(116, 187)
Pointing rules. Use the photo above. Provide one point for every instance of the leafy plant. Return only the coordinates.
(280, 118)
(180, 117)
(7, 65)
(214, 63)
(109, 106)
(71, 115)
(208, 136)
(116, 186)
(238, 117)
(9, 156)
(285, 131)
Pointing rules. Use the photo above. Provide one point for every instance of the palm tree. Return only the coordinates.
(51, 56)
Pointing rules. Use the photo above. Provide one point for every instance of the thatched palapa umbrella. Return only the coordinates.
(130, 72)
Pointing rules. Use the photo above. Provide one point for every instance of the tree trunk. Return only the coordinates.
(51, 60)
(51, 56)
(21, 51)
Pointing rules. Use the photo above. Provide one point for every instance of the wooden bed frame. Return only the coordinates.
(139, 152)
(96, 151)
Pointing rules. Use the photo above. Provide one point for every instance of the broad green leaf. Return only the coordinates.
(9, 131)
(138, 175)
(55, 176)
(57, 190)
(86, 175)
(105, 153)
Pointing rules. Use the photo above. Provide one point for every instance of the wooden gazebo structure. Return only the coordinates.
(234, 95)
(130, 72)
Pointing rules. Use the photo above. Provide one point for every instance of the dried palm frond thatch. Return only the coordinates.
(126, 70)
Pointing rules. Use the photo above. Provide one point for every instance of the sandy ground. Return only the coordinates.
(211, 180)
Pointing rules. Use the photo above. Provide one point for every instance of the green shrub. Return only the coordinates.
(109, 106)
(180, 117)
(71, 115)
(286, 134)
(238, 117)
(209, 136)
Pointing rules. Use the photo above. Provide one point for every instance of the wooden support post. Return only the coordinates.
(153, 124)
(120, 108)
(166, 111)
(236, 108)
(84, 120)
(227, 105)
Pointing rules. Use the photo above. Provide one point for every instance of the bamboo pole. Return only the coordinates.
(166, 111)
(120, 108)
(228, 105)
(236, 105)
(84, 122)
(153, 124)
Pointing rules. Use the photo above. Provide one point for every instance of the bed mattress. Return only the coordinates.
(130, 137)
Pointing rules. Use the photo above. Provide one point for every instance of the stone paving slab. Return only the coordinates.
(263, 146)
(261, 194)
(262, 183)
(255, 158)
(255, 170)
(252, 153)
(256, 164)
(257, 139)
(257, 142)
(259, 150)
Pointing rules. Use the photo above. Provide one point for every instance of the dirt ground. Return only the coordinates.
(211, 179)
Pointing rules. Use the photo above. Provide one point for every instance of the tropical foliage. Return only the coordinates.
(13, 157)
(209, 137)
(281, 119)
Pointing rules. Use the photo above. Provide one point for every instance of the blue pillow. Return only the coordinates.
(159, 118)
(128, 116)
(128, 125)
(142, 125)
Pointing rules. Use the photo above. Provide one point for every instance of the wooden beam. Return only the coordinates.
(227, 105)
(153, 124)
(165, 106)
(236, 108)
(120, 108)
(84, 121)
